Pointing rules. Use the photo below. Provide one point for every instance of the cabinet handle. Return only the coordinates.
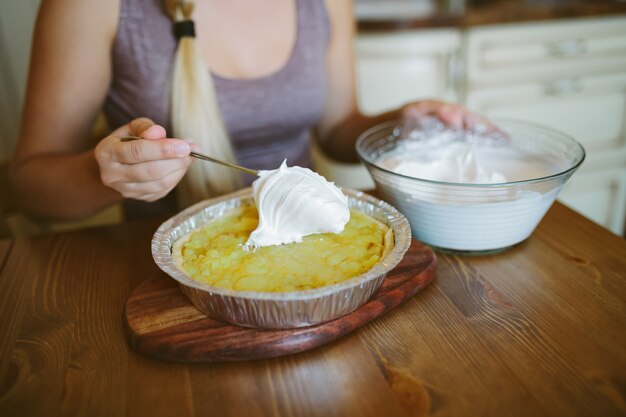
(567, 48)
(563, 87)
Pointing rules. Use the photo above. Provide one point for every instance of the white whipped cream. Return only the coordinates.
(294, 202)
(471, 163)
(477, 217)
(455, 162)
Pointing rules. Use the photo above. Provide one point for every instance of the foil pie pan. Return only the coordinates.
(278, 310)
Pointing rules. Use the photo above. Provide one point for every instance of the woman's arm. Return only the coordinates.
(342, 122)
(54, 173)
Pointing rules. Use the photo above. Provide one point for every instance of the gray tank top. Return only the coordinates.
(268, 118)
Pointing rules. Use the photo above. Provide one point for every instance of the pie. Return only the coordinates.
(215, 254)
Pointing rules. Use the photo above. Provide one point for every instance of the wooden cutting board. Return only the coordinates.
(161, 323)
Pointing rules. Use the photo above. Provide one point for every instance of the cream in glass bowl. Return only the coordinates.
(465, 191)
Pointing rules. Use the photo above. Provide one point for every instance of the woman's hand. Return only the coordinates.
(452, 115)
(142, 169)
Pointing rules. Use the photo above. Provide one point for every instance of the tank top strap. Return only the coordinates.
(313, 23)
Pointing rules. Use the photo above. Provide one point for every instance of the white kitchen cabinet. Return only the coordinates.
(395, 68)
(600, 195)
(569, 75)
(589, 107)
(501, 54)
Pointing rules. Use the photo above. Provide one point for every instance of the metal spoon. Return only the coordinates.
(204, 158)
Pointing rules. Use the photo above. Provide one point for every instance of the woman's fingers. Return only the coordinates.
(146, 129)
(421, 108)
(155, 147)
(144, 169)
(136, 127)
(120, 174)
(138, 151)
(152, 190)
(452, 115)
(154, 170)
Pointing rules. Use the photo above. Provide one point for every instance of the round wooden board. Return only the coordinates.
(161, 323)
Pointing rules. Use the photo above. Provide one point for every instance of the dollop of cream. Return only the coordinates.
(294, 202)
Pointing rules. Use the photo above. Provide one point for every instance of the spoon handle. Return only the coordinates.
(227, 164)
(204, 158)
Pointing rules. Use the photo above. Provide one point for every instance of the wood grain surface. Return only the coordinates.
(5, 247)
(162, 323)
(538, 330)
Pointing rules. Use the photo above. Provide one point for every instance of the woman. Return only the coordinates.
(278, 70)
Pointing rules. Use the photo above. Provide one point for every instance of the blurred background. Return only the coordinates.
(561, 63)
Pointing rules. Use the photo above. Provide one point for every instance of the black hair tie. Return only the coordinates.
(184, 28)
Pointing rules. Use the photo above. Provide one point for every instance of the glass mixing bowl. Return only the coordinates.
(469, 217)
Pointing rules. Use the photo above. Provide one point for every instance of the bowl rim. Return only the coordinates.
(385, 125)
(162, 250)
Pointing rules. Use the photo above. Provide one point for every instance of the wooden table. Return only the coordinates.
(538, 330)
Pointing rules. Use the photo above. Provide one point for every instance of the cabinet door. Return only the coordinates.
(505, 53)
(592, 109)
(393, 69)
(600, 196)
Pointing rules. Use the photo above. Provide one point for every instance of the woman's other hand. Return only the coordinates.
(452, 115)
(142, 169)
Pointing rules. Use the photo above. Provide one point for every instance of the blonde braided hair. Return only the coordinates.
(195, 115)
